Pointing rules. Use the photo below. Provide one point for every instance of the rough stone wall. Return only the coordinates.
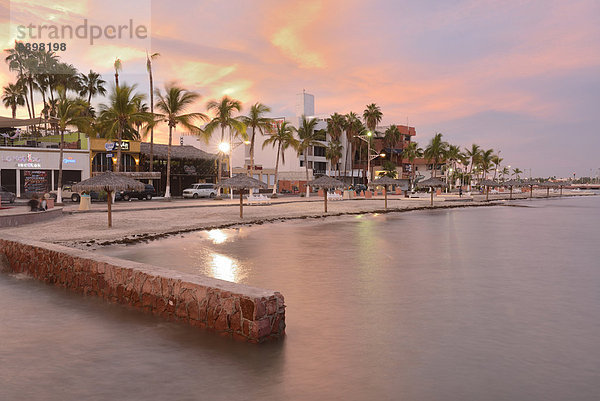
(243, 312)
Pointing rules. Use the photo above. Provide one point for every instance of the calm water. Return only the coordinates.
(498, 303)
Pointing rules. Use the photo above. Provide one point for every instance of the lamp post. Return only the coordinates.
(367, 138)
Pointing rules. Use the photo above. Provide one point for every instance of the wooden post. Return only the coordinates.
(510, 193)
(241, 202)
(548, 192)
(325, 195)
(385, 195)
(431, 196)
(109, 201)
(530, 191)
(487, 193)
(561, 190)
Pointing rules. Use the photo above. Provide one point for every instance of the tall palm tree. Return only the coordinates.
(391, 137)
(69, 112)
(453, 155)
(223, 119)
(149, 59)
(412, 152)
(335, 126)
(142, 108)
(120, 115)
(372, 116)
(282, 138)
(16, 60)
(474, 153)
(256, 120)
(333, 153)
(352, 126)
(496, 160)
(505, 171)
(13, 97)
(92, 84)
(118, 67)
(435, 151)
(308, 138)
(485, 161)
(172, 106)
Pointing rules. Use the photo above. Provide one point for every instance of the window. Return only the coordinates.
(101, 162)
(310, 164)
(128, 162)
(319, 151)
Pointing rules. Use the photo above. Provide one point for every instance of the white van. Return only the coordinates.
(201, 191)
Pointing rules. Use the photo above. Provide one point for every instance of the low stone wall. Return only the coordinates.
(235, 310)
(13, 220)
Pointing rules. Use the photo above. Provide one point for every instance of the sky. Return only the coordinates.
(521, 77)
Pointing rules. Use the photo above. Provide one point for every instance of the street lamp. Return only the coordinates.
(367, 138)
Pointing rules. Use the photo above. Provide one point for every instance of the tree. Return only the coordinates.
(485, 161)
(435, 151)
(172, 106)
(282, 138)
(149, 59)
(69, 112)
(16, 60)
(223, 118)
(91, 84)
(13, 97)
(453, 155)
(333, 153)
(255, 119)
(118, 67)
(474, 154)
(389, 169)
(391, 137)
(412, 152)
(497, 160)
(308, 138)
(352, 127)
(372, 116)
(121, 114)
(516, 172)
(335, 126)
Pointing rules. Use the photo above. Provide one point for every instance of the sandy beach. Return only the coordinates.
(139, 220)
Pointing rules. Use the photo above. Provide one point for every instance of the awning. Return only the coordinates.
(7, 122)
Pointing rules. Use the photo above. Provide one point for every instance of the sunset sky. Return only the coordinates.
(522, 77)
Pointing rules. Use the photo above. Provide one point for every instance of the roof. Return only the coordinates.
(489, 183)
(326, 182)
(242, 181)
(385, 181)
(431, 182)
(7, 122)
(108, 181)
(177, 152)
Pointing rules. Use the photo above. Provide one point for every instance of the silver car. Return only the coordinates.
(7, 196)
(201, 191)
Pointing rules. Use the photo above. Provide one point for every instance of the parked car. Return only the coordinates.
(146, 194)
(67, 193)
(7, 196)
(201, 191)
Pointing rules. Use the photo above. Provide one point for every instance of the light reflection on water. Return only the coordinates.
(490, 303)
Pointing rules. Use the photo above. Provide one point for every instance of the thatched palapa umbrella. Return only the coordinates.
(510, 184)
(487, 184)
(548, 185)
(431, 183)
(242, 181)
(385, 181)
(325, 182)
(109, 182)
(530, 184)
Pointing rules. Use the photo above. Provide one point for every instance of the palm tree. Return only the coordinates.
(282, 138)
(412, 152)
(224, 119)
(142, 108)
(372, 116)
(435, 151)
(453, 155)
(118, 67)
(485, 161)
(69, 112)
(255, 119)
(391, 137)
(497, 160)
(172, 105)
(308, 137)
(474, 154)
(120, 115)
(149, 68)
(13, 97)
(389, 169)
(352, 126)
(92, 84)
(333, 153)
(335, 126)
(516, 172)
(505, 171)
(16, 60)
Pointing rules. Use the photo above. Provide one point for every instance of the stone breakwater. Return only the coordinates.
(234, 310)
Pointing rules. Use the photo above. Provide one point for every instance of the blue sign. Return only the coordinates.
(109, 146)
(68, 160)
(109, 155)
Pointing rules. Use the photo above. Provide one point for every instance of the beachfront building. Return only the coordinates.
(103, 155)
(189, 165)
(29, 159)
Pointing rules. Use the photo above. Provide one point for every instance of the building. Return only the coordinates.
(103, 155)
(30, 164)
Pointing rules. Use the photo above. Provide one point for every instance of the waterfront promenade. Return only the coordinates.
(138, 220)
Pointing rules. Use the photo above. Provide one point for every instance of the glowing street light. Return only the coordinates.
(367, 139)
(224, 147)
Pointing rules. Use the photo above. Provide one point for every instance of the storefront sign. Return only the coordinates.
(35, 181)
(68, 160)
(23, 161)
(109, 146)
(109, 155)
(124, 145)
